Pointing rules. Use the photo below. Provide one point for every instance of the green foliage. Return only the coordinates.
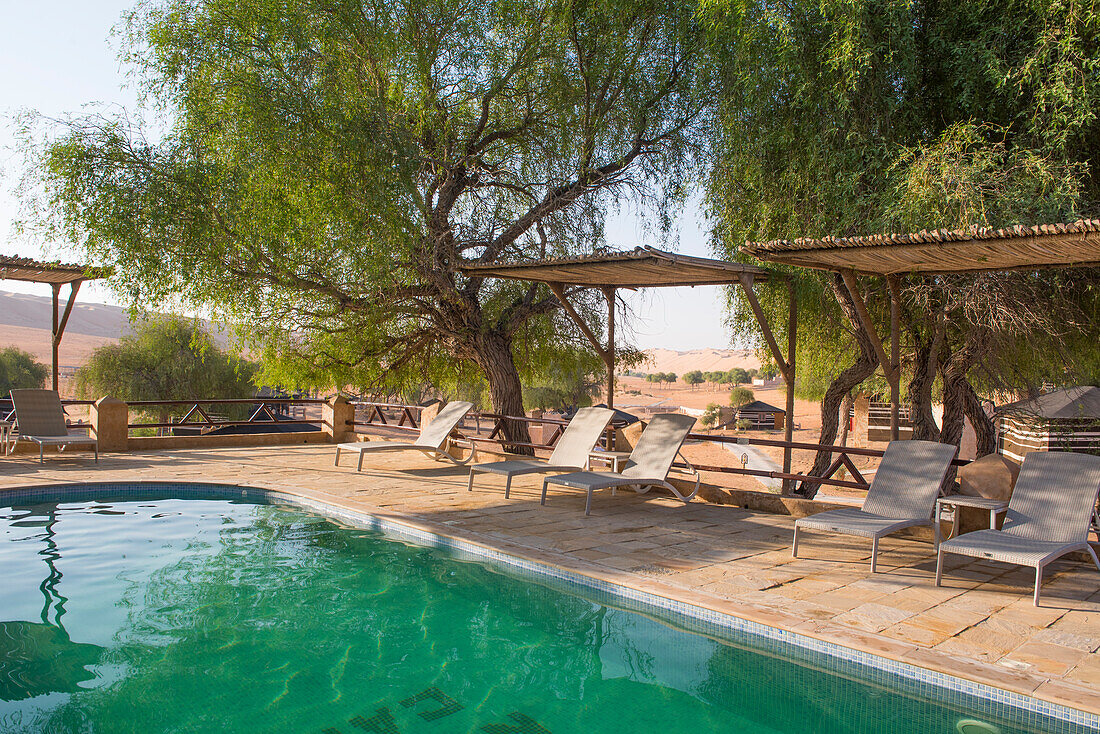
(329, 167)
(741, 396)
(661, 377)
(737, 376)
(568, 383)
(18, 369)
(710, 415)
(845, 118)
(166, 359)
(693, 378)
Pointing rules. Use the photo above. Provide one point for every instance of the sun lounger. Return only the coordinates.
(433, 439)
(41, 419)
(1048, 515)
(648, 466)
(570, 454)
(902, 495)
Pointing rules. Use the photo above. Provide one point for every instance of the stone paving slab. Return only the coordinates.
(981, 625)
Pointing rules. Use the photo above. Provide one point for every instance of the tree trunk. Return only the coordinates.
(984, 430)
(494, 356)
(957, 392)
(956, 389)
(845, 418)
(919, 393)
(844, 384)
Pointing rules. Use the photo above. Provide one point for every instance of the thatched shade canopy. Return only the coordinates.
(943, 251)
(33, 271)
(648, 267)
(56, 275)
(643, 267)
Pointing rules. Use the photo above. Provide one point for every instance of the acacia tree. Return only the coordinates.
(330, 165)
(846, 118)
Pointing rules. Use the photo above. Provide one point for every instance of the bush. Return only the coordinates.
(741, 396)
(18, 369)
(710, 415)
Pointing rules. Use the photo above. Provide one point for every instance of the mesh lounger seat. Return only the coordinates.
(570, 455)
(41, 419)
(648, 465)
(433, 439)
(902, 495)
(1048, 516)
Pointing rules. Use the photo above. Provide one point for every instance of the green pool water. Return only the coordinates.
(191, 615)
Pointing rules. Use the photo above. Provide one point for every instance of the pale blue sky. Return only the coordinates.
(58, 55)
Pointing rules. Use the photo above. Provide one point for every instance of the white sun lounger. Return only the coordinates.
(41, 419)
(648, 465)
(1052, 505)
(902, 495)
(433, 439)
(570, 455)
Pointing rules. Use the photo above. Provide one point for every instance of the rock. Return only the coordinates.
(991, 476)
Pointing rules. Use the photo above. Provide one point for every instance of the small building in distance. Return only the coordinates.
(1062, 420)
(761, 416)
(869, 421)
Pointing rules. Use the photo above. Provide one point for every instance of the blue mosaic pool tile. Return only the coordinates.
(1021, 710)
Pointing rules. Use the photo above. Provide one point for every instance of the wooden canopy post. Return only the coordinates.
(54, 339)
(786, 364)
(58, 327)
(891, 367)
(609, 353)
(895, 358)
(788, 377)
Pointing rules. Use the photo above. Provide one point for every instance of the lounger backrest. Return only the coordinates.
(1054, 497)
(909, 479)
(658, 445)
(434, 434)
(39, 413)
(580, 436)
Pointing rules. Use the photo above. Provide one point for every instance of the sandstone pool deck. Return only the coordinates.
(980, 625)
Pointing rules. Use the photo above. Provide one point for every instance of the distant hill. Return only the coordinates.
(707, 360)
(25, 323)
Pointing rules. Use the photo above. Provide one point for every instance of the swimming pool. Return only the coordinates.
(148, 612)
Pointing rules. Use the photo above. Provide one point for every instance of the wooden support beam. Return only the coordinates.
(74, 287)
(559, 292)
(609, 354)
(788, 377)
(762, 320)
(865, 319)
(54, 340)
(57, 329)
(895, 358)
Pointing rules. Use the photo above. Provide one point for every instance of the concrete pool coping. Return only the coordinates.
(258, 475)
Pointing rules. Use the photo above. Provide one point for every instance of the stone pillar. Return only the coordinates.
(430, 411)
(337, 416)
(110, 418)
(861, 423)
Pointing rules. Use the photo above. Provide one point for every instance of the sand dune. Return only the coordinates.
(90, 319)
(707, 360)
(25, 323)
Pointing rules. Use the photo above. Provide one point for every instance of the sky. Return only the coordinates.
(59, 55)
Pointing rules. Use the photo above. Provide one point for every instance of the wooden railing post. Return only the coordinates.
(110, 419)
(337, 416)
